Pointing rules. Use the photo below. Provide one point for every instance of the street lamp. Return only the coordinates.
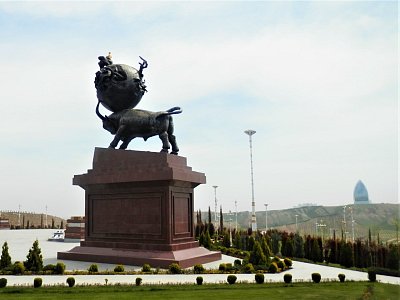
(253, 204)
(296, 222)
(266, 218)
(236, 216)
(215, 213)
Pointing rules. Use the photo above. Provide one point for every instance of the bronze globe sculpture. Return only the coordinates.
(119, 86)
(119, 89)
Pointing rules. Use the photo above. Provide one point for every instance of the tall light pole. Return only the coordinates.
(266, 218)
(46, 218)
(19, 215)
(344, 223)
(236, 216)
(253, 204)
(352, 223)
(296, 222)
(215, 213)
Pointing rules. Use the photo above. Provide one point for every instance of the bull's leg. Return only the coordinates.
(172, 138)
(125, 143)
(164, 138)
(117, 137)
(114, 142)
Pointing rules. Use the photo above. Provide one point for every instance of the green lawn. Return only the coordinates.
(326, 290)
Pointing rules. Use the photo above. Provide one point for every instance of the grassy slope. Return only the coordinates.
(333, 290)
(377, 217)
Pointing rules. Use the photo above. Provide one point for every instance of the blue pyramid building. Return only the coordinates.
(361, 194)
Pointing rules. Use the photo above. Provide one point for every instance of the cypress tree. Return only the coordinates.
(276, 245)
(266, 249)
(221, 220)
(226, 242)
(316, 254)
(34, 259)
(211, 229)
(201, 239)
(250, 243)
(257, 256)
(393, 257)
(207, 240)
(289, 247)
(346, 254)
(5, 260)
(237, 241)
(298, 246)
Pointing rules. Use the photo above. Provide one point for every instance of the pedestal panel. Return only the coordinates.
(139, 206)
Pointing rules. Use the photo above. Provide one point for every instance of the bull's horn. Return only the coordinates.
(98, 112)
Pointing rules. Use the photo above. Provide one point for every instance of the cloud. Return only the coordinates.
(318, 85)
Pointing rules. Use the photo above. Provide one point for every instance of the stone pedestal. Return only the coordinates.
(139, 209)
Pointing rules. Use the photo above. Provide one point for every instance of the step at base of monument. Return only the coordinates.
(185, 258)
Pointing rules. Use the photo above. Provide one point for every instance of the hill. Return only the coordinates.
(31, 219)
(379, 218)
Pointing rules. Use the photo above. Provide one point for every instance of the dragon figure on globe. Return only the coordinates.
(119, 89)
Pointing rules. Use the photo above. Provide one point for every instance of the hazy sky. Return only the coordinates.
(318, 81)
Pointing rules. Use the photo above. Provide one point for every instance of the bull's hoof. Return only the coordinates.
(174, 153)
(164, 151)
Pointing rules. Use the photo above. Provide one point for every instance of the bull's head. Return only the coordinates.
(108, 124)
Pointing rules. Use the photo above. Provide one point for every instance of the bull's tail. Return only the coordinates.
(174, 110)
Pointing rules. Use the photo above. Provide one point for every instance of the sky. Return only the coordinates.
(317, 81)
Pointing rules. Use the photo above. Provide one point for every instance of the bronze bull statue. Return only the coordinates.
(128, 124)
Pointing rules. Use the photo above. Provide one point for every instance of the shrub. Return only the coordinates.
(281, 265)
(371, 275)
(18, 268)
(287, 278)
(59, 268)
(71, 281)
(198, 269)
(49, 268)
(199, 280)
(316, 277)
(138, 281)
(273, 268)
(341, 277)
(119, 268)
(146, 268)
(231, 279)
(248, 268)
(229, 266)
(175, 268)
(288, 262)
(222, 267)
(276, 259)
(259, 278)
(237, 262)
(93, 268)
(3, 282)
(37, 282)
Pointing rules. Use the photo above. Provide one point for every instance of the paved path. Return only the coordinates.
(300, 272)
(20, 241)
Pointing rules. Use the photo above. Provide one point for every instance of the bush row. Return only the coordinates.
(231, 279)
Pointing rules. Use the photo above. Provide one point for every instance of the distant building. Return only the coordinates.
(4, 223)
(361, 194)
(75, 231)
